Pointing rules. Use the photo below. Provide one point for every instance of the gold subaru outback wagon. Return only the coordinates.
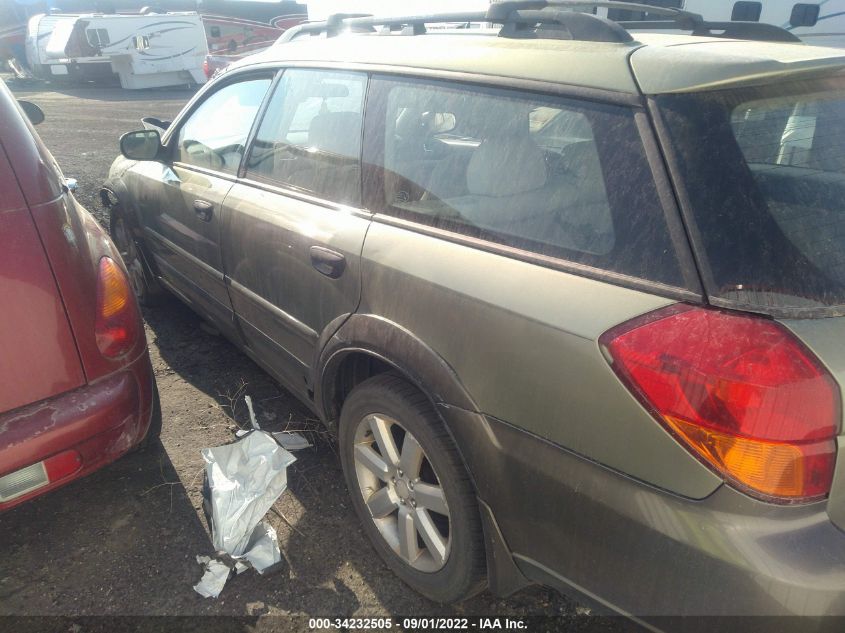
(571, 294)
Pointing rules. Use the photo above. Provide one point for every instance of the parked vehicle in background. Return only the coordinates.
(76, 385)
(144, 51)
(230, 40)
(232, 28)
(817, 22)
(571, 296)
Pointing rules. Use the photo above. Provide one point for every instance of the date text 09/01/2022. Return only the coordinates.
(417, 624)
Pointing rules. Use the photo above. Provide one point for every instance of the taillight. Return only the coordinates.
(62, 465)
(26, 480)
(206, 68)
(117, 323)
(740, 392)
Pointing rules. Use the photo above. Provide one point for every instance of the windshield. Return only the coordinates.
(763, 170)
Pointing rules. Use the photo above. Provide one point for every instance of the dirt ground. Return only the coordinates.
(124, 541)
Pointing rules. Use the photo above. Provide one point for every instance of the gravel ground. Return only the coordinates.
(124, 540)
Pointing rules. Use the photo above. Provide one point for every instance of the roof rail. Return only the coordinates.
(556, 19)
(729, 30)
(556, 24)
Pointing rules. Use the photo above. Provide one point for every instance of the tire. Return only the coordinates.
(442, 555)
(146, 289)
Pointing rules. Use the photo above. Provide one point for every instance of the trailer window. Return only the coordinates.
(98, 37)
(746, 12)
(804, 15)
(628, 15)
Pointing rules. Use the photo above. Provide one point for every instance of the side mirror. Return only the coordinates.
(141, 145)
(32, 112)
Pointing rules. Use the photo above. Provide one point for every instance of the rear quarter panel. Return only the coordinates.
(523, 339)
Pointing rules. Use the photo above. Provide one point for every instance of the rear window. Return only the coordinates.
(764, 169)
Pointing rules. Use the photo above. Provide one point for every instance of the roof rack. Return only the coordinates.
(554, 19)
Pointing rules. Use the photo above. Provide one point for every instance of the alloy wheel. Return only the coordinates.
(402, 492)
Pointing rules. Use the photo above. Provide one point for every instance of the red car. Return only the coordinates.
(76, 384)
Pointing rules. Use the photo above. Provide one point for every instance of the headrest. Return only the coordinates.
(336, 132)
(506, 166)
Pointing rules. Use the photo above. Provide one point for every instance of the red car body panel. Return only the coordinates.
(57, 391)
(38, 356)
(101, 421)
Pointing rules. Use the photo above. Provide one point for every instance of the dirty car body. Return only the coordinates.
(587, 293)
(76, 384)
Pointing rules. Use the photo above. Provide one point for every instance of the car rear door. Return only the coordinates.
(180, 198)
(293, 228)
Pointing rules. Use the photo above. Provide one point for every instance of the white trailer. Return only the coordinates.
(145, 51)
(818, 22)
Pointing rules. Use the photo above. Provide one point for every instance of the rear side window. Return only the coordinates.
(555, 177)
(765, 172)
(310, 137)
(214, 136)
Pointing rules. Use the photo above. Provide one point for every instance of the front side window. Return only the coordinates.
(215, 134)
(310, 137)
(765, 172)
(541, 174)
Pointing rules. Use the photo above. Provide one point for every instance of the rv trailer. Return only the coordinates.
(817, 22)
(234, 28)
(145, 50)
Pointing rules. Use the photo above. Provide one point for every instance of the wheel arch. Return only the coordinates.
(115, 196)
(366, 345)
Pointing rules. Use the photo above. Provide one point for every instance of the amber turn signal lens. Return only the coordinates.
(775, 469)
(118, 322)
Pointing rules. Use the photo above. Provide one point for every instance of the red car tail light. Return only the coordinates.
(740, 392)
(62, 465)
(117, 324)
(26, 480)
(206, 68)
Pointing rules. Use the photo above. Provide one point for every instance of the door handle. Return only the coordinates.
(203, 210)
(327, 262)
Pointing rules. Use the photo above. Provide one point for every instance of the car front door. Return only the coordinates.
(182, 206)
(293, 228)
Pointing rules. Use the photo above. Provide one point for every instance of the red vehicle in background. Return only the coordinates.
(76, 385)
(231, 39)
